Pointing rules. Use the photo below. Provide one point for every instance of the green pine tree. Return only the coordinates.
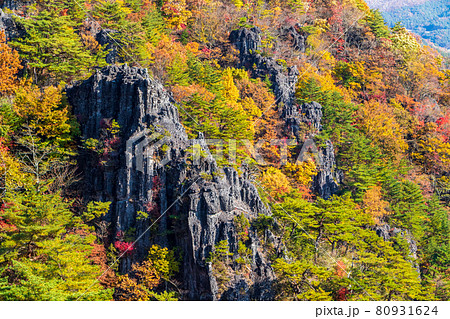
(376, 22)
(44, 251)
(53, 50)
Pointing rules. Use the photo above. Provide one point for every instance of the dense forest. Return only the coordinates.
(429, 19)
(351, 201)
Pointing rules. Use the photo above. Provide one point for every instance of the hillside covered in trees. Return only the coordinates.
(429, 19)
(220, 150)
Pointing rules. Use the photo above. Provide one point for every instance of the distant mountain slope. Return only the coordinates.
(428, 18)
(387, 5)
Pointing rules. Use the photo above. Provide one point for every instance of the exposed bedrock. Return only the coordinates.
(197, 202)
(284, 80)
(298, 37)
(14, 4)
(11, 28)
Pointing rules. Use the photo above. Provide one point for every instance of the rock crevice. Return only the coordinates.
(196, 202)
(11, 28)
(284, 81)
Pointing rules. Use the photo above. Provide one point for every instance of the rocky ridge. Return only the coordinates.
(14, 4)
(298, 37)
(197, 202)
(284, 80)
(12, 29)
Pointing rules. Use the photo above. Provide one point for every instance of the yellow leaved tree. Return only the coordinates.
(275, 182)
(43, 111)
(379, 122)
(374, 205)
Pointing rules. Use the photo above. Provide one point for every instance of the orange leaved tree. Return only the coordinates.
(9, 66)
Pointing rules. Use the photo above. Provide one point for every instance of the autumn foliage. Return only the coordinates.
(43, 111)
(9, 66)
(384, 233)
(147, 276)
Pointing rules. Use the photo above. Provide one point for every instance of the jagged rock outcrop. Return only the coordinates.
(12, 29)
(14, 4)
(312, 115)
(105, 37)
(248, 42)
(326, 183)
(387, 232)
(108, 39)
(197, 201)
(298, 37)
(309, 114)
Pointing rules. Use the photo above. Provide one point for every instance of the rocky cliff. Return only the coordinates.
(12, 29)
(389, 233)
(298, 37)
(248, 42)
(284, 80)
(14, 4)
(108, 39)
(191, 202)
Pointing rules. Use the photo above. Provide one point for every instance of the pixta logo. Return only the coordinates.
(309, 150)
(141, 148)
(144, 147)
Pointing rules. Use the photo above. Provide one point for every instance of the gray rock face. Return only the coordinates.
(105, 38)
(309, 114)
(14, 4)
(387, 232)
(326, 183)
(12, 29)
(312, 115)
(248, 41)
(298, 38)
(196, 201)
